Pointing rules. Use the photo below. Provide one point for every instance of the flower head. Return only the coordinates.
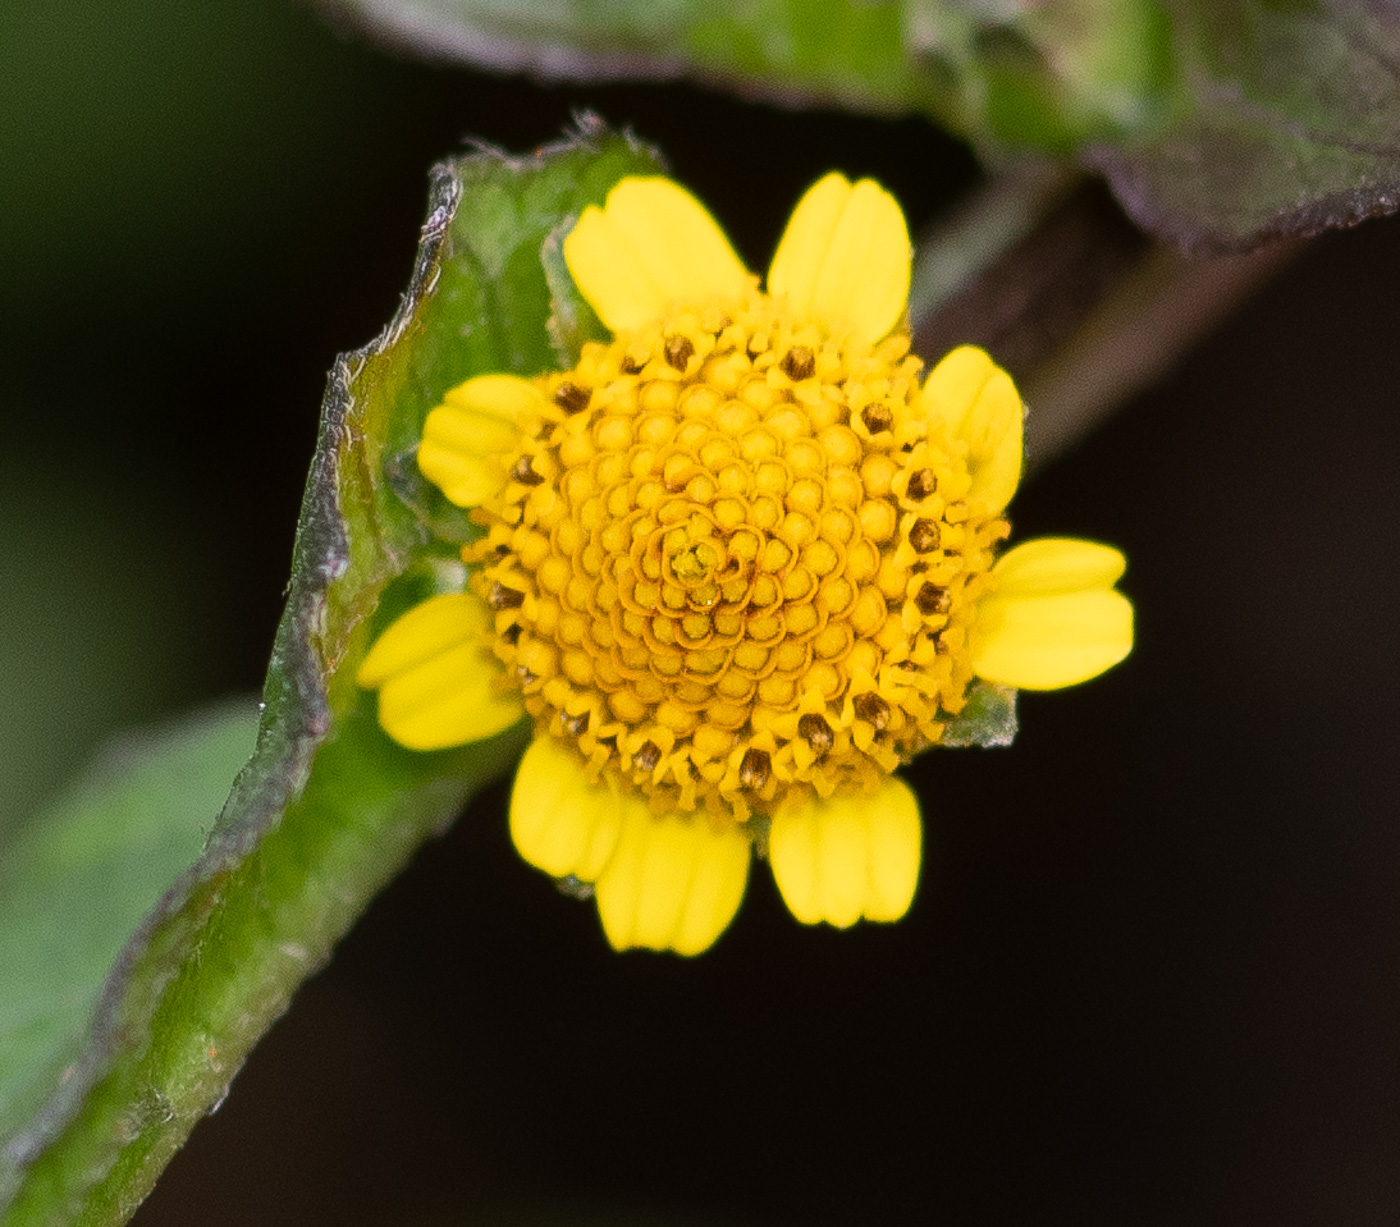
(737, 566)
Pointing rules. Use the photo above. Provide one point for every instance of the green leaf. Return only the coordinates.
(994, 70)
(1286, 120)
(328, 809)
(77, 880)
(1219, 123)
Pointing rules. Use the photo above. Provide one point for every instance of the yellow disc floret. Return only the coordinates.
(737, 562)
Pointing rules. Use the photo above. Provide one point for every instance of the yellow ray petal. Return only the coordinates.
(978, 403)
(844, 258)
(1055, 619)
(842, 862)
(559, 821)
(1049, 565)
(650, 247)
(794, 852)
(674, 882)
(466, 438)
(849, 856)
(437, 683)
(716, 889)
(896, 850)
(425, 631)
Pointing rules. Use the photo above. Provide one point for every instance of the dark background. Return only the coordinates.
(1151, 973)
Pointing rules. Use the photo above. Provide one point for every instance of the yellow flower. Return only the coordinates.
(737, 566)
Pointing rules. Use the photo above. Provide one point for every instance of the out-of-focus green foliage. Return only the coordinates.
(1012, 71)
(328, 809)
(1284, 118)
(195, 121)
(1218, 122)
(157, 163)
(76, 882)
(72, 667)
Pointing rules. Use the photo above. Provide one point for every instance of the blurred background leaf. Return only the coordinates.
(1220, 123)
(74, 667)
(1284, 119)
(1009, 71)
(77, 882)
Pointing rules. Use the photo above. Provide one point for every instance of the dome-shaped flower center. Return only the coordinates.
(737, 561)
